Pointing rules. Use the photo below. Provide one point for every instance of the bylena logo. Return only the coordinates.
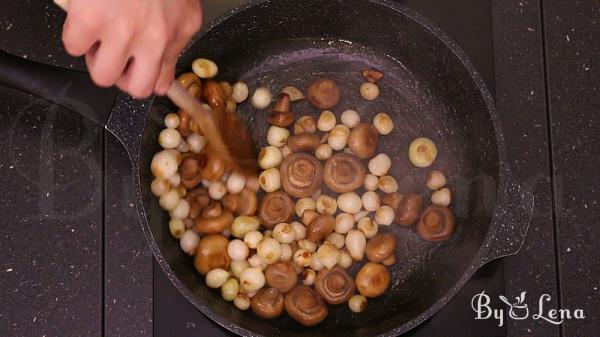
(519, 310)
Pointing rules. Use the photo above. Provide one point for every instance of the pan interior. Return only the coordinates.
(427, 91)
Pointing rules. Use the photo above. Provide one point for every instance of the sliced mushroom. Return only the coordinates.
(275, 208)
(320, 227)
(324, 93)
(409, 209)
(212, 253)
(268, 303)
(335, 286)
(344, 173)
(305, 142)
(301, 174)
(363, 140)
(372, 280)
(381, 247)
(281, 276)
(243, 203)
(214, 220)
(305, 306)
(281, 115)
(436, 224)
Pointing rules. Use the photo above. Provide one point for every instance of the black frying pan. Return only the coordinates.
(430, 89)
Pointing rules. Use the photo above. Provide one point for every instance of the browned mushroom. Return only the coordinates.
(305, 306)
(212, 253)
(268, 303)
(214, 96)
(189, 167)
(214, 219)
(409, 209)
(436, 224)
(344, 173)
(198, 199)
(372, 280)
(191, 83)
(389, 261)
(281, 276)
(281, 115)
(381, 246)
(308, 216)
(320, 228)
(275, 208)
(301, 174)
(243, 203)
(324, 93)
(305, 142)
(363, 140)
(214, 166)
(392, 200)
(335, 286)
(372, 75)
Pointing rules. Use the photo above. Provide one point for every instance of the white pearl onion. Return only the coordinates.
(349, 203)
(357, 303)
(189, 242)
(277, 136)
(236, 183)
(256, 262)
(230, 289)
(308, 277)
(356, 243)
(183, 147)
(307, 245)
(388, 184)
(369, 91)
(383, 123)
(299, 230)
(367, 227)
(284, 233)
(361, 215)
(286, 252)
(251, 239)
(237, 267)
(160, 187)
(216, 278)
(344, 222)
(350, 118)
(205, 68)
(315, 262)
(285, 151)
(371, 182)
(380, 164)
(371, 201)
(182, 210)
(164, 164)
(238, 250)
(338, 137)
(172, 121)
(269, 250)
(323, 152)
(169, 138)
(302, 257)
(242, 302)
(240, 92)
(436, 180)
(174, 180)
(169, 201)
(196, 142)
(262, 98)
(217, 190)
(269, 157)
(326, 121)
(242, 225)
(304, 204)
(176, 227)
(384, 215)
(442, 197)
(270, 180)
(345, 260)
(326, 205)
(337, 239)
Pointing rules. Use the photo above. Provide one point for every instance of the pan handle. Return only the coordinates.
(511, 222)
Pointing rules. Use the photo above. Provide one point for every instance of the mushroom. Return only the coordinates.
(409, 209)
(436, 224)
(189, 167)
(267, 303)
(198, 200)
(324, 93)
(372, 75)
(363, 140)
(281, 276)
(305, 142)
(320, 227)
(243, 203)
(190, 82)
(301, 174)
(335, 286)
(305, 306)
(372, 280)
(212, 253)
(214, 96)
(276, 207)
(392, 200)
(214, 219)
(381, 247)
(281, 115)
(344, 173)
(214, 166)
(305, 124)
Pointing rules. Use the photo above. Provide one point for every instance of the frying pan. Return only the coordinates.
(430, 89)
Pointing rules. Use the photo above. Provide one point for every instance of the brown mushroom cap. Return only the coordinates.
(189, 167)
(275, 208)
(305, 306)
(281, 115)
(214, 96)
(344, 173)
(392, 200)
(281, 276)
(409, 209)
(372, 280)
(363, 140)
(214, 219)
(381, 247)
(324, 93)
(320, 227)
(436, 224)
(390, 261)
(212, 253)
(243, 203)
(305, 142)
(335, 286)
(301, 174)
(268, 303)
(198, 199)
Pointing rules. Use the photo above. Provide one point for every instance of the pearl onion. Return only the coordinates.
(285, 151)
(172, 121)
(361, 215)
(183, 147)
(388, 184)
(176, 227)
(277, 136)
(302, 257)
(269, 250)
(436, 180)
(345, 260)
(217, 190)
(189, 242)
(230, 289)
(216, 278)
(256, 262)
(164, 164)
(384, 215)
(242, 302)
(442, 197)
(383, 123)
(326, 205)
(284, 233)
(251, 239)
(262, 98)
(338, 137)
(328, 254)
(380, 164)
(242, 225)
(337, 239)
(174, 180)
(237, 267)
(371, 182)
(344, 222)
(236, 183)
(356, 243)
(169, 201)
(238, 250)
(323, 152)
(315, 262)
(205, 68)
(270, 157)
(240, 92)
(182, 210)
(196, 142)
(326, 121)
(371, 201)
(307, 245)
(299, 230)
(270, 180)
(368, 227)
(369, 91)
(349, 203)
(160, 187)
(286, 252)
(252, 279)
(350, 118)
(308, 277)
(357, 303)
(304, 204)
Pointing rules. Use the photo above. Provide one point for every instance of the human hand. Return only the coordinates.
(133, 44)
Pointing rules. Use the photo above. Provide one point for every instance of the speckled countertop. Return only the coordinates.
(73, 260)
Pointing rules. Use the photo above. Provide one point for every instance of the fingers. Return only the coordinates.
(140, 78)
(80, 31)
(108, 63)
(169, 61)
